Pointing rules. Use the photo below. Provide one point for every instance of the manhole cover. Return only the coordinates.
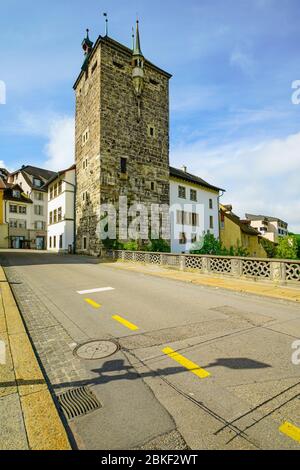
(78, 402)
(96, 349)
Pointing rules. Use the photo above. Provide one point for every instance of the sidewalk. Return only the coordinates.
(28, 416)
(239, 285)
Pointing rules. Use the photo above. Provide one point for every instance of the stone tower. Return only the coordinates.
(122, 133)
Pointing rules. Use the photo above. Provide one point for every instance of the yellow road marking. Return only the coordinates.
(290, 430)
(124, 322)
(191, 366)
(92, 303)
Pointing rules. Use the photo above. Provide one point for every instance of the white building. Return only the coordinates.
(194, 206)
(28, 222)
(271, 228)
(61, 211)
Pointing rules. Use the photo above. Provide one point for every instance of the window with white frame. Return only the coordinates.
(13, 208)
(39, 225)
(22, 210)
(38, 210)
(193, 195)
(181, 192)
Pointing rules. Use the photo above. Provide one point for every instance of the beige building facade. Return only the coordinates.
(270, 228)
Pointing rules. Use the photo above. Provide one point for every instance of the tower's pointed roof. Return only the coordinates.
(137, 48)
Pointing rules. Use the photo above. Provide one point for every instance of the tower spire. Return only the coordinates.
(137, 48)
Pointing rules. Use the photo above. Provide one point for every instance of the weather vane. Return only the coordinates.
(106, 23)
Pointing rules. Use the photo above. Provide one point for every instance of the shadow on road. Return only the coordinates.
(32, 258)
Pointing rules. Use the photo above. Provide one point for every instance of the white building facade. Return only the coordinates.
(61, 211)
(194, 208)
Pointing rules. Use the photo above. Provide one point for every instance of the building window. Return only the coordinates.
(151, 131)
(38, 196)
(22, 224)
(84, 243)
(13, 223)
(194, 238)
(13, 209)
(37, 182)
(55, 216)
(193, 195)
(60, 241)
(181, 192)
(38, 210)
(182, 238)
(152, 186)
(195, 219)
(22, 210)
(211, 204)
(39, 225)
(51, 192)
(59, 214)
(60, 187)
(181, 218)
(222, 221)
(16, 193)
(211, 222)
(50, 218)
(85, 136)
(54, 242)
(85, 196)
(50, 242)
(123, 165)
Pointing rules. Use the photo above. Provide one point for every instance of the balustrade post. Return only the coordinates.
(236, 267)
(182, 262)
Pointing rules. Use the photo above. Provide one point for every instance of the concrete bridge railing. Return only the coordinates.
(278, 271)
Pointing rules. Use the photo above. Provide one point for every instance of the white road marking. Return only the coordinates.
(2, 353)
(93, 291)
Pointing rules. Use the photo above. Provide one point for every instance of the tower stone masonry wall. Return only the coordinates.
(107, 109)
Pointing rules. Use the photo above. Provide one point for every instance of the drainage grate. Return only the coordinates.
(78, 402)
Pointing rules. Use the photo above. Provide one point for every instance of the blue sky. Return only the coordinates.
(233, 63)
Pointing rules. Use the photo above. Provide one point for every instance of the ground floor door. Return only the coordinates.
(17, 242)
(40, 243)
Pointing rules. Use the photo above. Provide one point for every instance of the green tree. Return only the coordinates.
(287, 247)
(269, 247)
(209, 245)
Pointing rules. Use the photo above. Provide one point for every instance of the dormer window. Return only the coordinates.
(16, 193)
(37, 182)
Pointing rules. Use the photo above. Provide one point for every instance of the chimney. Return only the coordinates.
(184, 168)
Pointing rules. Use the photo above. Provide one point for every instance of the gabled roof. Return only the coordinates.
(263, 217)
(176, 173)
(35, 172)
(8, 194)
(59, 173)
(243, 224)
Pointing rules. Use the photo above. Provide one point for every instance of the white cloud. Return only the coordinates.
(57, 130)
(243, 60)
(60, 149)
(259, 177)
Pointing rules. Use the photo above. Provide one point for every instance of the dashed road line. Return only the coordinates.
(126, 323)
(191, 366)
(94, 291)
(92, 303)
(291, 431)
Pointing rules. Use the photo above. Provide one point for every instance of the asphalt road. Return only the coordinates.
(232, 384)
